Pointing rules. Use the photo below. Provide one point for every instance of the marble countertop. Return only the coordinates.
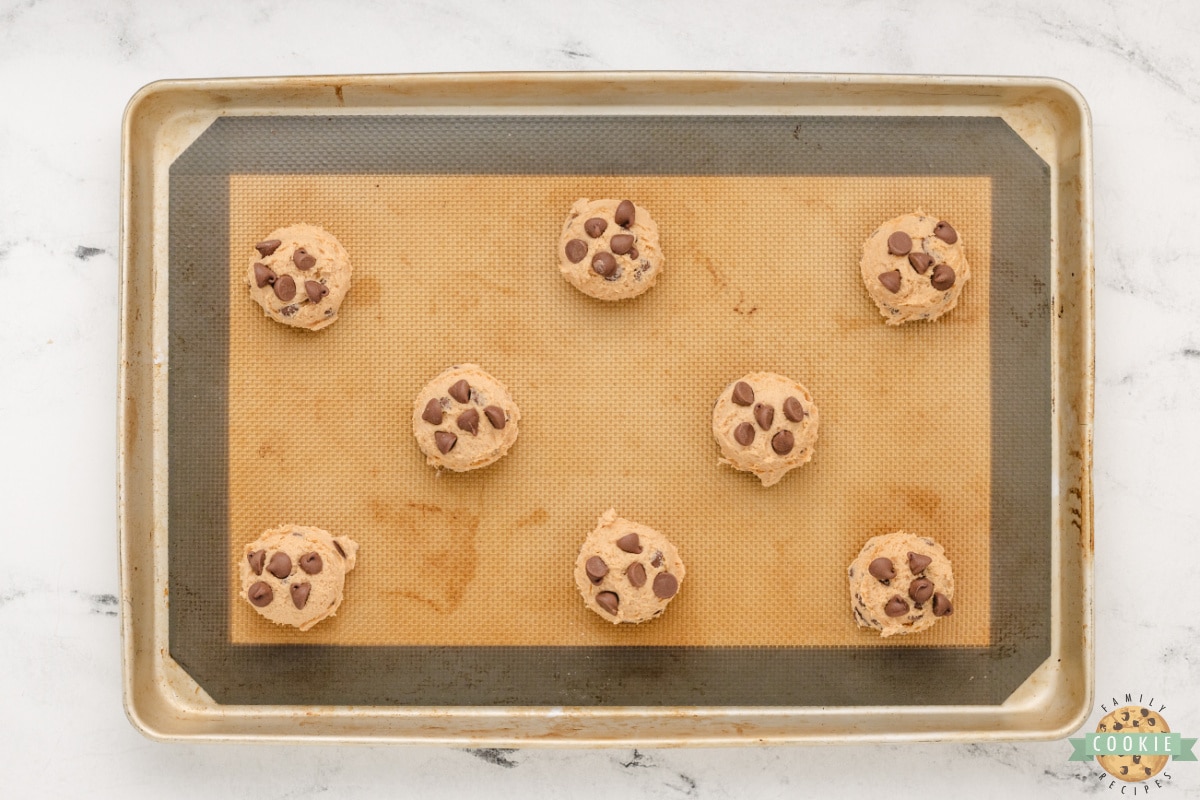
(71, 66)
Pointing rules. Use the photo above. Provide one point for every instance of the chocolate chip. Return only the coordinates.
(896, 607)
(764, 415)
(624, 214)
(891, 280)
(596, 569)
(260, 594)
(1145, 712)
(256, 560)
(595, 227)
(945, 232)
(793, 410)
(941, 605)
(920, 590)
(300, 593)
(280, 565)
(881, 569)
(1137, 759)
(657, 560)
(263, 275)
(268, 247)
(461, 391)
(743, 395)
(496, 416)
(603, 264)
(1118, 726)
(303, 260)
(630, 543)
(289, 311)
(921, 262)
(783, 442)
(899, 243)
(917, 563)
(635, 573)
(285, 288)
(744, 434)
(665, 585)
(469, 421)
(445, 441)
(338, 547)
(608, 601)
(433, 412)
(633, 253)
(576, 250)
(621, 243)
(315, 291)
(943, 277)
(311, 563)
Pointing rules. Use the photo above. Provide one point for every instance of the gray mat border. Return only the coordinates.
(591, 676)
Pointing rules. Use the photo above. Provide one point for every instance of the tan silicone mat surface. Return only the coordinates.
(761, 274)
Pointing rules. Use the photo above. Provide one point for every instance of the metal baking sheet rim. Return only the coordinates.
(161, 120)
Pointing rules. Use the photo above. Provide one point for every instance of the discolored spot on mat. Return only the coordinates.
(441, 558)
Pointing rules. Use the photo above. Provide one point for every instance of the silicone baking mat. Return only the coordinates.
(463, 593)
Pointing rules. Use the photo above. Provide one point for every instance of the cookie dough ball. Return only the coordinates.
(627, 572)
(609, 249)
(300, 275)
(765, 424)
(464, 419)
(1128, 720)
(293, 575)
(901, 583)
(914, 268)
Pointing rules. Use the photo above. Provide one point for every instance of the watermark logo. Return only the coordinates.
(1133, 744)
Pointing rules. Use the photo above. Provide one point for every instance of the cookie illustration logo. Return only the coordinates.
(1133, 744)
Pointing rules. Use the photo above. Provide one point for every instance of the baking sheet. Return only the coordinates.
(763, 220)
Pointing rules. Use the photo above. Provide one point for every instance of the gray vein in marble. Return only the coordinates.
(498, 756)
(84, 253)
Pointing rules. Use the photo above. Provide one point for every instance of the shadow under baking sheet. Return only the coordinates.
(463, 594)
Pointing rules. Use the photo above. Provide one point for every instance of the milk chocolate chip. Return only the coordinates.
(263, 275)
(941, 605)
(260, 594)
(303, 260)
(783, 442)
(576, 250)
(445, 441)
(921, 262)
(268, 247)
(608, 601)
(896, 607)
(891, 280)
(280, 565)
(917, 563)
(635, 573)
(743, 395)
(595, 227)
(621, 244)
(256, 560)
(461, 391)
(665, 585)
(469, 421)
(285, 288)
(433, 412)
(604, 265)
(315, 291)
(793, 410)
(311, 563)
(920, 590)
(899, 243)
(946, 233)
(300, 592)
(764, 415)
(624, 214)
(496, 416)
(630, 543)
(943, 277)
(744, 434)
(596, 569)
(881, 569)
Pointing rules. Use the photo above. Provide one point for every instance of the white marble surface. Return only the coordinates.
(68, 68)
